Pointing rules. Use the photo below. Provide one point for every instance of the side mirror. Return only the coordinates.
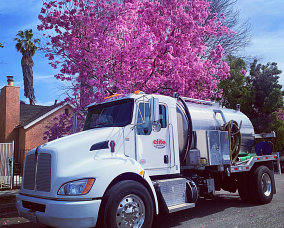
(154, 109)
(154, 114)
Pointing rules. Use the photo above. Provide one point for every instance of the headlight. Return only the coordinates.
(78, 187)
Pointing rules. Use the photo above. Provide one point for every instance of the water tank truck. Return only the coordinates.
(141, 155)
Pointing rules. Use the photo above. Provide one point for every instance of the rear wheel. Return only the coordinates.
(261, 185)
(243, 188)
(127, 204)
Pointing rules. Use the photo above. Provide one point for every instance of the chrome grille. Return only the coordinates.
(29, 173)
(37, 174)
(43, 175)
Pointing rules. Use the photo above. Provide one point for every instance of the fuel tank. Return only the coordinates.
(211, 116)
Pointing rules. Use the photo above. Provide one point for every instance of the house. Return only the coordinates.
(23, 123)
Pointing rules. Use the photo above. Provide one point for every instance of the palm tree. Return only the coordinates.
(27, 47)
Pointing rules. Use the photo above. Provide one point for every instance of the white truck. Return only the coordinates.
(140, 155)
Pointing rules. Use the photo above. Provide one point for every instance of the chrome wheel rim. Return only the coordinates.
(266, 184)
(130, 212)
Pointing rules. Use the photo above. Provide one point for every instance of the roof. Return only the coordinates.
(31, 114)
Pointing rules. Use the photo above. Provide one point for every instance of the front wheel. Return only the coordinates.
(127, 204)
(261, 185)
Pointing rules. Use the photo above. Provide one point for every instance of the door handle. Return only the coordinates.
(166, 159)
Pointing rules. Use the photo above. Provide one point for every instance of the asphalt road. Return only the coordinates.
(225, 210)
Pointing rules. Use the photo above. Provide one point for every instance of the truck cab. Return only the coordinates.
(140, 155)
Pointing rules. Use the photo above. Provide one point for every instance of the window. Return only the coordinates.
(219, 118)
(144, 114)
(163, 116)
(112, 114)
(144, 125)
(66, 110)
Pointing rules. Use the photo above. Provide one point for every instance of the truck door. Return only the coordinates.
(152, 146)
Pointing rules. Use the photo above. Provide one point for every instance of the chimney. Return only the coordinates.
(9, 111)
(10, 80)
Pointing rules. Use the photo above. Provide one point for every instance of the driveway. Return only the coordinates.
(225, 210)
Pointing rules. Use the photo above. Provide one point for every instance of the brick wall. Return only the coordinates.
(34, 134)
(9, 114)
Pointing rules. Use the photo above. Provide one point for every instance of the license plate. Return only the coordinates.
(31, 215)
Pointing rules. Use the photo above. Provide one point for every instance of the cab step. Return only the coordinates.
(173, 194)
(180, 207)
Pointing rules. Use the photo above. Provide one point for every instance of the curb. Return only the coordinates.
(7, 208)
(9, 193)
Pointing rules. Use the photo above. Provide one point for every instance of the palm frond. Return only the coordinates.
(25, 44)
(36, 41)
(19, 46)
(29, 34)
(21, 34)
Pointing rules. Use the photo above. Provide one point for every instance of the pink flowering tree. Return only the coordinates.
(280, 114)
(154, 46)
(108, 47)
(63, 125)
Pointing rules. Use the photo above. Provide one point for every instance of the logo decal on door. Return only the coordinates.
(159, 143)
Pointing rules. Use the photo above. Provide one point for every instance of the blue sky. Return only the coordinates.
(267, 43)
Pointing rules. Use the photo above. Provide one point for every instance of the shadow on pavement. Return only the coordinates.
(25, 225)
(204, 207)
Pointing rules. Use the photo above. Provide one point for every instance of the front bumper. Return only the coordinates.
(59, 213)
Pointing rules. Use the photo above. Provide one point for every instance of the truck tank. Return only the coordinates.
(211, 116)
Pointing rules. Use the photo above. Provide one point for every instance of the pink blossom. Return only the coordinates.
(62, 126)
(106, 47)
(281, 114)
(43, 11)
(243, 71)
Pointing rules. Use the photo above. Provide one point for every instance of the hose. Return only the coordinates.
(235, 139)
(189, 132)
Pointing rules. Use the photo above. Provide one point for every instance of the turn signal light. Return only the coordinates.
(136, 92)
(114, 95)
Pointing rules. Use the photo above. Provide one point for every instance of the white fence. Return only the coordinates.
(6, 165)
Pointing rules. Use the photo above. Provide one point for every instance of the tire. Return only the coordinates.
(261, 183)
(244, 189)
(127, 204)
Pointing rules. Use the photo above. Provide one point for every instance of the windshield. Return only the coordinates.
(112, 114)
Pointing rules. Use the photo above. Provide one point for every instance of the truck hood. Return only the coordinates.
(75, 150)
(72, 157)
(88, 137)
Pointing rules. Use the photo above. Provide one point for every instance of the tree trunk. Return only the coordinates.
(27, 67)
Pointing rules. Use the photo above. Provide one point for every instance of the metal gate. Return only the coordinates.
(6, 165)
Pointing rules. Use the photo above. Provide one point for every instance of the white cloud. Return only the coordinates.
(267, 23)
(43, 77)
(45, 103)
(51, 80)
(270, 43)
(269, 48)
